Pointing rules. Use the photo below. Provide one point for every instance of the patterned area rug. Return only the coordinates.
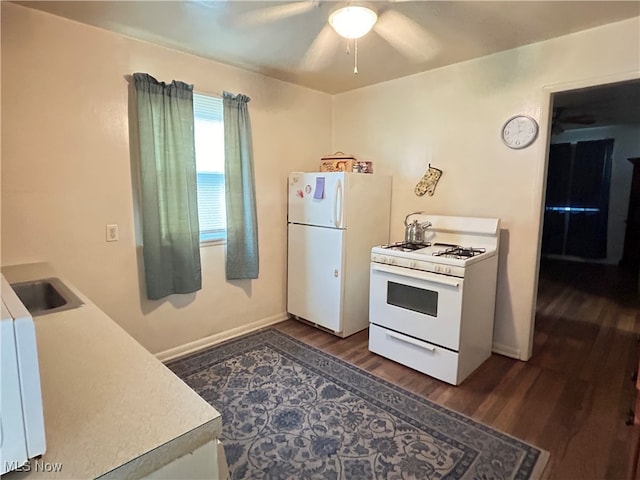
(290, 411)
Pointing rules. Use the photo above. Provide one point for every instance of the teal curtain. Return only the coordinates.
(170, 230)
(242, 225)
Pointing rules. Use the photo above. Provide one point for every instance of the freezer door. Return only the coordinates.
(315, 275)
(317, 199)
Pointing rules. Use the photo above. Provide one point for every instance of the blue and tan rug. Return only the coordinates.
(290, 411)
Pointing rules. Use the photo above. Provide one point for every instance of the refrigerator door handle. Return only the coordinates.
(337, 212)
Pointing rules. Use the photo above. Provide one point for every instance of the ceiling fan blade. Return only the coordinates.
(579, 119)
(321, 50)
(261, 16)
(406, 36)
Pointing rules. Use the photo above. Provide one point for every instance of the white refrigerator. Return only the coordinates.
(334, 219)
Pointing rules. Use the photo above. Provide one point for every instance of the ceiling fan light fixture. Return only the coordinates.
(353, 21)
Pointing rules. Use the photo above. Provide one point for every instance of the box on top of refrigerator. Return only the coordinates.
(337, 162)
(341, 162)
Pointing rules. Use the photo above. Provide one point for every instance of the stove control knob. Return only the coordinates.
(447, 270)
(413, 264)
(437, 268)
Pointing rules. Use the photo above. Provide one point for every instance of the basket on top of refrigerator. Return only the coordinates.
(341, 162)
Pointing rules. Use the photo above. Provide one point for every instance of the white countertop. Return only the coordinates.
(111, 409)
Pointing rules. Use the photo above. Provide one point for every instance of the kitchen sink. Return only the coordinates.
(47, 295)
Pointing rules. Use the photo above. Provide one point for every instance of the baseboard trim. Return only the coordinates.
(506, 350)
(202, 343)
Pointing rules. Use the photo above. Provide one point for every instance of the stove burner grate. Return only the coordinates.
(406, 246)
(460, 253)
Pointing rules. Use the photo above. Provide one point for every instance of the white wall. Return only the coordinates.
(66, 172)
(626, 144)
(451, 117)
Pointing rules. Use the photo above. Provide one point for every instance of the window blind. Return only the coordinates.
(207, 108)
(209, 141)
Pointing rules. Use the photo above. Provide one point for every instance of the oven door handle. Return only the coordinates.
(411, 341)
(408, 272)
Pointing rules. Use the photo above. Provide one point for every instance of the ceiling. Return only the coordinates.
(611, 104)
(292, 41)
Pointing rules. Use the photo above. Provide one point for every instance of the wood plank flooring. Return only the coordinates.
(571, 398)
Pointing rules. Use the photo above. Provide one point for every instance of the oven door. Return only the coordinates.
(424, 305)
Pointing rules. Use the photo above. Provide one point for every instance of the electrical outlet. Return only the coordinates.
(112, 233)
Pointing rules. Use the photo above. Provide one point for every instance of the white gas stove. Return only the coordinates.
(431, 305)
(445, 258)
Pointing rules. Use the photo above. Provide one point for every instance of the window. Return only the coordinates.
(209, 142)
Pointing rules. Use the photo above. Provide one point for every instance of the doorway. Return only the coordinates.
(604, 112)
(579, 276)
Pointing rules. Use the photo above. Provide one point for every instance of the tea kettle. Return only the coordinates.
(415, 232)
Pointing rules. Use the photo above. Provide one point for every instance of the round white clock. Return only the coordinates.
(519, 131)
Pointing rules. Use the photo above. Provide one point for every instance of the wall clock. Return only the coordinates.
(519, 131)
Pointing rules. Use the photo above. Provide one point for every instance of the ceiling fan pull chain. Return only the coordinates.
(348, 48)
(355, 57)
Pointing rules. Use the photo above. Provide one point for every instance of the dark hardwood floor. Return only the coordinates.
(571, 398)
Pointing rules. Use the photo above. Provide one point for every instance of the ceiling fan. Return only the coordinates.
(350, 21)
(560, 119)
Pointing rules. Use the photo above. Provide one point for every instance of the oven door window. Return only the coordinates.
(413, 298)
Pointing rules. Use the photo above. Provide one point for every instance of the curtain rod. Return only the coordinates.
(216, 95)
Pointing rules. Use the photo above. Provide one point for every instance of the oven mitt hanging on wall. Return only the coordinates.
(428, 182)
